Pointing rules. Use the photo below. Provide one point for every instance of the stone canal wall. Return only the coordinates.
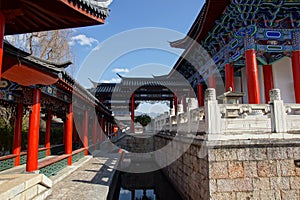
(244, 169)
(189, 173)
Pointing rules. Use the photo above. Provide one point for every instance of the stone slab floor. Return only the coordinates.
(91, 181)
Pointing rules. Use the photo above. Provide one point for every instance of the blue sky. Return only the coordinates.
(94, 46)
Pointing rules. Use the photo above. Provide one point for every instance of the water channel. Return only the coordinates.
(145, 186)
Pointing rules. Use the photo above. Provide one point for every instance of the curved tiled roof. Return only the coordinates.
(55, 70)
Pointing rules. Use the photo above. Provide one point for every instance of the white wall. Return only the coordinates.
(283, 79)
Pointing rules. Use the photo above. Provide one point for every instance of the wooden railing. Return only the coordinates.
(53, 165)
(7, 162)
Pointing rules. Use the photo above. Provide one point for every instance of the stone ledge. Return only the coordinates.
(23, 185)
(253, 143)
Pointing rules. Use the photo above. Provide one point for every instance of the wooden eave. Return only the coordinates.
(25, 16)
(213, 10)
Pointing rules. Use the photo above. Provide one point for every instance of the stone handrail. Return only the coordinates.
(226, 119)
(292, 109)
(243, 110)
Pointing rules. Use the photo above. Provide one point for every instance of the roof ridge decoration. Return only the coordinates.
(99, 3)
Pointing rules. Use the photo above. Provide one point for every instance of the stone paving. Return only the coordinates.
(91, 181)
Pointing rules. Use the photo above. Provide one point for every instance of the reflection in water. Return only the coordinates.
(145, 186)
(145, 194)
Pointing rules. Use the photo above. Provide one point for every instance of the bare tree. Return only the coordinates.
(50, 45)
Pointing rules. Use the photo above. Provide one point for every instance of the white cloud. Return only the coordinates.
(120, 70)
(113, 80)
(97, 48)
(83, 40)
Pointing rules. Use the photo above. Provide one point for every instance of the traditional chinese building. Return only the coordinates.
(120, 97)
(35, 86)
(250, 46)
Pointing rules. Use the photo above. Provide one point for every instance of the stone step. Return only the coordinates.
(24, 186)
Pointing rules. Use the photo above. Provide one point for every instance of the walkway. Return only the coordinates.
(91, 181)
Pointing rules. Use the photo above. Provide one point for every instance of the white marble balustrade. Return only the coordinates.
(234, 120)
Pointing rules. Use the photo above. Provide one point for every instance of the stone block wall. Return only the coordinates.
(189, 173)
(236, 170)
(254, 172)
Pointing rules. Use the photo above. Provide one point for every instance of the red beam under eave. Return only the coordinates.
(268, 81)
(296, 74)
(18, 134)
(2, 30)
(33, 134)
(252, 77)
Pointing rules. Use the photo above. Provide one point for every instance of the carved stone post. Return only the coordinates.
(212, 112)
(192, 104)
(278, 114)
(179, 108)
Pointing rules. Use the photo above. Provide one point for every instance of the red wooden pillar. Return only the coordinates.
(200, 92)
(80, 131)
(229, 77)
(184, 103)
(2, 30)
(212, 81)
(132, 113)
(18, 133)
(69, 133)
(102, 125)
(75, 133)
(95, 132)
(175, 103)
(33, 134)
(296, 74)
(252, 77)
(47, 134)
(99, 130)
(268, 81)
(85, 133)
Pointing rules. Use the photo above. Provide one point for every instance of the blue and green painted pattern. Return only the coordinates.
(77, 156)
(272, 28)
(54, 168)
(23, 159)
(7, 164)
(42, 154)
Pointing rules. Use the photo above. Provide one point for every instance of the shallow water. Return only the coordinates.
(145, 186)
